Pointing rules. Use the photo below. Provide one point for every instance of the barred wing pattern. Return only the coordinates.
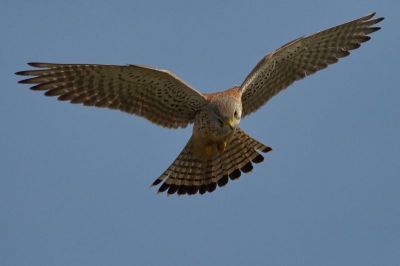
(155, 94)
(302, 57)
(188, 175)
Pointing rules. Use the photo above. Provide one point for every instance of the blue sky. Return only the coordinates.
(75, 180)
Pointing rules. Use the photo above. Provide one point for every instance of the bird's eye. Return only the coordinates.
(235, 114)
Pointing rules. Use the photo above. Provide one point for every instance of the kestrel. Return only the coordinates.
(218, 149)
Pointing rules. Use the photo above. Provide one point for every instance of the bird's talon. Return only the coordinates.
(208, 150)
(221, 147)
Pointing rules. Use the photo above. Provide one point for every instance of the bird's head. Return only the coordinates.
(227, 111)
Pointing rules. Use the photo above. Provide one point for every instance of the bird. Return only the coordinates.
(218, 149)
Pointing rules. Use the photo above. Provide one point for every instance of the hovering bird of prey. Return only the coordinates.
(218, 149)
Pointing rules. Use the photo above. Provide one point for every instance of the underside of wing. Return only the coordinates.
(155, 94)
(303, 57)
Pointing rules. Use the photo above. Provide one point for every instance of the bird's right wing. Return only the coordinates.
(155, 94)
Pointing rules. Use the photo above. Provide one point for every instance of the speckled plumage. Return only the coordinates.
(218, 149)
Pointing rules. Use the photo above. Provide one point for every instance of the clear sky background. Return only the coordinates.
(74, 186)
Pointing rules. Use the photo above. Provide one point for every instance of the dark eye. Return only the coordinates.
(235, 114)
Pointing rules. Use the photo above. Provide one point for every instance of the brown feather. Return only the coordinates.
(302, 57)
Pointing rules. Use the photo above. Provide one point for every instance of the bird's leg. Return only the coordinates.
(221, 146)
(209, 149)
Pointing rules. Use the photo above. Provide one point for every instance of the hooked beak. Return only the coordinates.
(230, 123)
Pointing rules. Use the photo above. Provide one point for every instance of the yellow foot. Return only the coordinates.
(209, 150)
(221, 147)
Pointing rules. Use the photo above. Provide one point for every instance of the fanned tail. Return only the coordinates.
(189, 175)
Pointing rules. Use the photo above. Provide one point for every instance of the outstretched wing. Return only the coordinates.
(302, 57)
(155, 94)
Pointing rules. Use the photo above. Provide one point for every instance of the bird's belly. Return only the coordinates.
(208, 135)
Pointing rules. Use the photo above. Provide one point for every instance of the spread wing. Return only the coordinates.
(302, 57)
(155, 94)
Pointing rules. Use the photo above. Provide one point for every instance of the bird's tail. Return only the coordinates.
(189, 175)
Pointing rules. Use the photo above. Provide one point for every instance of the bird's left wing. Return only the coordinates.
(155, 94)
(302, 57)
